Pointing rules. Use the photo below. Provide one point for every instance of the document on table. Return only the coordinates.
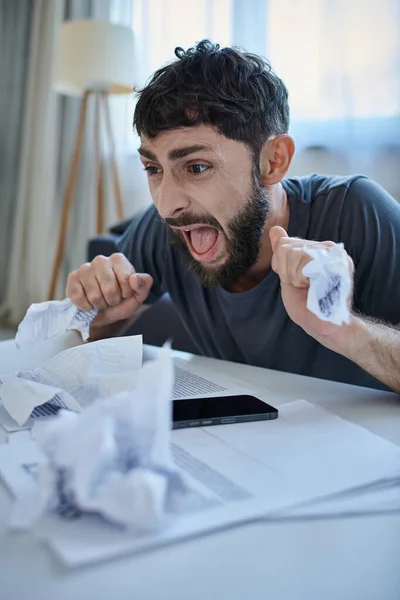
(192, 381)
(243, 472)
(81, 374)
(70, 379)
(381, 497)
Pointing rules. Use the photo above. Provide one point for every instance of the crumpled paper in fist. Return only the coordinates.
(46, 320)
(330, 284)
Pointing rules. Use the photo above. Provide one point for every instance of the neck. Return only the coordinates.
(279, 213)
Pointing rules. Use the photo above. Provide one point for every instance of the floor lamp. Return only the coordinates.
(95, 59)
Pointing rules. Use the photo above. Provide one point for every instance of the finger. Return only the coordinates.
(288, 262)
(296, 261)
(92, 289)
(351, 266)
(280, 257)
(280, 263)
(294, 242)
(123, 270)
(108, 282)
(275, 235)
(76, 293)
(122, 311)
(141, 284)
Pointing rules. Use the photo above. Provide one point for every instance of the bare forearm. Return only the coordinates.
(101, 332)
(374, 347)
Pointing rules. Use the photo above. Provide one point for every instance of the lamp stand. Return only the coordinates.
(101, 103)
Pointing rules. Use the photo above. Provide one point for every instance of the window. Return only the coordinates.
(161, 25)
(338, 58)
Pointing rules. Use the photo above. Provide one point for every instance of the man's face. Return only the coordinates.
(205, 187)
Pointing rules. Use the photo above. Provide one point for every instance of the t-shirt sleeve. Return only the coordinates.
(145, 245)
(370, 230)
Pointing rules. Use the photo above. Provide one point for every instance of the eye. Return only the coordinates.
(198, 169)
(152, 170)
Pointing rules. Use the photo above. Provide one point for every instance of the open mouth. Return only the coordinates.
(203, 241)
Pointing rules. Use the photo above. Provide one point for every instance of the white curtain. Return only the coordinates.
(32, 240)
(15, 19)
(49, 125)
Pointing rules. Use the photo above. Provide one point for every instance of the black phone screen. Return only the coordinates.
(220, 407)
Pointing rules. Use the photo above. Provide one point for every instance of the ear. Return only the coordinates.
(275, 158)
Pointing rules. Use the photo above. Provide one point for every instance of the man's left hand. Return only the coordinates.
(288, 260)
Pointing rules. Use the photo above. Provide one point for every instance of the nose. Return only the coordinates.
(169, 198)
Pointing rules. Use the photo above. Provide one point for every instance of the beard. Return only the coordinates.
(243, 239)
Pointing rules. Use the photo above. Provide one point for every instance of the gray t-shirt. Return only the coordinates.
(253, 327)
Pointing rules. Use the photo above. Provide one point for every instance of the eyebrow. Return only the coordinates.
(147, 154)
(175, 154)
(182, 152)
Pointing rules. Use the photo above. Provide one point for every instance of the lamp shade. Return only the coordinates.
(94, 55)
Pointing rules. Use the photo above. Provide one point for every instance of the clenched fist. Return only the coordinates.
(111, 285)
(288, 260)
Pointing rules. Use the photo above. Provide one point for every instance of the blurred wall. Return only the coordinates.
(382, 165)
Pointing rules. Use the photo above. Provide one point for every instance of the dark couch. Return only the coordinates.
(161, 322)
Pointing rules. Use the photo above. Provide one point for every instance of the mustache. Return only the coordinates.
(191, 219)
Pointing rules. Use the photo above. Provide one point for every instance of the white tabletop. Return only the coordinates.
(348, 558)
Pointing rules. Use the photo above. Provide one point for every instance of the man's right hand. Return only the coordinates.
(111, 285)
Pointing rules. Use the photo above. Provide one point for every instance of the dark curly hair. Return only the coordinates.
(236, 92)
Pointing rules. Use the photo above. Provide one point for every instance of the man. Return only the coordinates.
(227, 234)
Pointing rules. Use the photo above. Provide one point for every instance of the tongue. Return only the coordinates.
(203, 239)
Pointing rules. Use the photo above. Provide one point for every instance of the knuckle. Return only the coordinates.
(71, 281)
(95, 298)
(99, 260)
(285, 247)
(120, 262)
(110, 288)
(111, 294)
(71, 276)
(118, 258)
(83, 272)
(75, 292)
(293, 256)
(78, 298)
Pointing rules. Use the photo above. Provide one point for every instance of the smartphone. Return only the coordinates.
(220, 410)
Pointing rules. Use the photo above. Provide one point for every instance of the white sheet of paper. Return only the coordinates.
(14, 359)
(18, 459)
(20, 397)
(378, 501)
(247, 472)
(73, 378)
